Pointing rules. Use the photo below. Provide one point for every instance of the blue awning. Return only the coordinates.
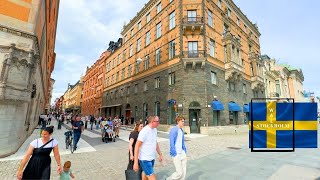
(217, 106)
(234, 106)
(246, 108)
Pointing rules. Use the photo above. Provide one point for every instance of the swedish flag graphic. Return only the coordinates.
(283, 125)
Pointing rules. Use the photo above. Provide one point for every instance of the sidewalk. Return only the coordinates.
(58, 134)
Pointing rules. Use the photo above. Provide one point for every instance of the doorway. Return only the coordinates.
(194, 120)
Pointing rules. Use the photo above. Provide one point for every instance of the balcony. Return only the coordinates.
(233, 71)
(257, 82)
(193, 24)
(194, 57)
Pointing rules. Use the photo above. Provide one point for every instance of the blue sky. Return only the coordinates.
(288, 33)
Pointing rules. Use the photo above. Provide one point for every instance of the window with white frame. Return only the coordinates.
(213, 78)
(148, 17)
(172, 78)
(131, 50)
(229, 12)
(244, 89)
(129, 70)
(139, 25)
(145, 86)
(219, 3)
(159, 8)
(192, 16)
(147, 38)
(119, 58)
(158, 56)
(172, 20)
(136, 88)
(146, 62)
(172, 49)
(210, 18)
(157, 108)
(123, 73)
(132, 32)
(138, 44)
(212, 46)
(158, 30)
(157, 82)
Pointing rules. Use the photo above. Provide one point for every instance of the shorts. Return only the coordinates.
(147, 167)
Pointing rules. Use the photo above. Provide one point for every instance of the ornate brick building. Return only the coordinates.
(199, 59)
(27, 58)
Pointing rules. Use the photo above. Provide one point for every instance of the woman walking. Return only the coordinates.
(39, 164)
(132, 142)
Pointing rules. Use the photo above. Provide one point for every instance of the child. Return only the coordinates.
(66, 173)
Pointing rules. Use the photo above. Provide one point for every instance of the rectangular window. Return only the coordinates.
(138, 44)
(244, 89)
(123, 73)
(136, 88)
(159, 8)
(117, 77)
(131, 50)
(238, 21)
(219, 3)
(192, 16)
(124, 55)
(172, 20)
(212, 46)
(129, 70)
(145, 86)
(158, 30)
(172, 79)
(158, 56)
(157, 108)
(148, 38)
(132, 32)
(210, 18)
(157, 83)
(139, 25)
(146, 62)
(229, 12)
(128, 90)
(213, 78)
(278, 90)
(172, 49)
(119, 58)
(148, 17)
(192, 49)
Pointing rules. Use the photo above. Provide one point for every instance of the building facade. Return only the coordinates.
(27, 58)
(73, 97)
(93, 86)
(199, 59)
(52, 81)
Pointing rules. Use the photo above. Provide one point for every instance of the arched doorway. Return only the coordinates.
(128, 113)
(171, 104)
(194, 115)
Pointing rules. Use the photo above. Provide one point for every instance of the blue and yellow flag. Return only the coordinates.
(273, 125)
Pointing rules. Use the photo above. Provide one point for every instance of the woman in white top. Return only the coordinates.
(39, 164)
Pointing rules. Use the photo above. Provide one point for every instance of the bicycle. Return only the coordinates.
(69, 141)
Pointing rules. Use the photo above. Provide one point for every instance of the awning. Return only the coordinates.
(171, 101)
(217, 106)
(234, 106)
(246, 108)
(115, 105)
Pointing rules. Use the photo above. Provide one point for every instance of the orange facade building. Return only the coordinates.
(199, 59)
(27, 42)
(93, 87)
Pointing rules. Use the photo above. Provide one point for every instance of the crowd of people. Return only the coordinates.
(142, 150)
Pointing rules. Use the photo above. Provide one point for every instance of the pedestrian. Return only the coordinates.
(49, 119)
(132, 142)
(178, 150)
(117, 124)
(103, 123)
(85, 118)
(66, 173)
(91, 121)
(146, 148)
(39, 165)
(78, 128)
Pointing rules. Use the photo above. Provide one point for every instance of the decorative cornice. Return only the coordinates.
(146, 8)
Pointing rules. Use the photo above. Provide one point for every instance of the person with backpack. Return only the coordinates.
(91, 121)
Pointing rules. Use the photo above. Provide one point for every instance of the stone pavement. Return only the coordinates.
(209, 157)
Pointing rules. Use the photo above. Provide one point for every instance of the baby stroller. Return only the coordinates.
(108, 134)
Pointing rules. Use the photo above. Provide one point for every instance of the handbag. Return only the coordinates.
(131, 174)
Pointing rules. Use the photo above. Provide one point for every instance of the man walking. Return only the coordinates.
(178, 150)
(146, 147)
(91, 121)
(78, 128)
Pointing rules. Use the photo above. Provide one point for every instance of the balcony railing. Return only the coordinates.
(192, 20)
(194, 54)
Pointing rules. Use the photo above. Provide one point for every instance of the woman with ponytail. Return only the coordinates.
(39, 164)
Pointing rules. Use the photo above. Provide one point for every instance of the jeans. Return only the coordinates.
(77, 136)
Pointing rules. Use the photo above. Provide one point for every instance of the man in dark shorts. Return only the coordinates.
(78, 128)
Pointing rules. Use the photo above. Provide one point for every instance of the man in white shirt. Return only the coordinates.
(146, 147)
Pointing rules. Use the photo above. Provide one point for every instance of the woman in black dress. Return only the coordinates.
(39, 164)
(132, 142)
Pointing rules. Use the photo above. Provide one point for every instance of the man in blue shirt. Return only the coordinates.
(178, 150)
(78, 128)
